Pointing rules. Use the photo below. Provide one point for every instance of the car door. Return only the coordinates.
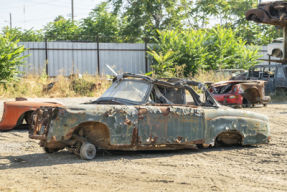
(279, 80)
(268, 75)
(163, 125)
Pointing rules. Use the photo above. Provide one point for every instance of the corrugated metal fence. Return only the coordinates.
(79, 57)
(85, 57)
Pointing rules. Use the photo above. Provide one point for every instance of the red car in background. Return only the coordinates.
(245, 93)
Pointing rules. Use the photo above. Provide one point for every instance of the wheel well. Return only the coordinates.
(94, 132)
(252, 95)
(20, 120)
(229, 138)
(250, 17)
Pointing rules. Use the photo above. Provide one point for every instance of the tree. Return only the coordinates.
(23, 35)
(10, 58)
(101, 22)
(144, 17)
(62, 29)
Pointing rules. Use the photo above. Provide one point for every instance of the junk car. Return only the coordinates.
(272, 13)
(17, 113)
(245, 93)
(275, 48)
(275, 75)
(138, 112)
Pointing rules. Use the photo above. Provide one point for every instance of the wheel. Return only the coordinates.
(246, 103)
(50, 150)
(88, 151)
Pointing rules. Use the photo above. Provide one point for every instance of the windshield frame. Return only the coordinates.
(121, 100)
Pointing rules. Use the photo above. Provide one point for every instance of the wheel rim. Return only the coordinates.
(88, 151)
(91, 152)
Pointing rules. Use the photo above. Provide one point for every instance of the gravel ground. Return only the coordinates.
(25, 167)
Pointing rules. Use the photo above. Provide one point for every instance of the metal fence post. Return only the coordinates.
(269, 57)
(284, 44)
(46, 52)
(146, 62)
(98, 52)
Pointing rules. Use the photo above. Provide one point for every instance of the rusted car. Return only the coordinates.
(272, 13)
(17, 113)
(236, 93)
(138, 112)
(275, 49)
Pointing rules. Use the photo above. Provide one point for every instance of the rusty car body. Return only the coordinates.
(275, 49)
(15, 112)
(244, 93)
(272, 13)
(138, 112)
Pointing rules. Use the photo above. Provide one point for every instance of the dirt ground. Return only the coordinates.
(25, 167)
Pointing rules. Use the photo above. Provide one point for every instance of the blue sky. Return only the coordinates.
(40, 12)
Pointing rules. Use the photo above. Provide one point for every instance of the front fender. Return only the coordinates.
(254, 130)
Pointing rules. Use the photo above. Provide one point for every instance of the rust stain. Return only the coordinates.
(134, 136)
(127, 122)
(165, 110)
(53, 139)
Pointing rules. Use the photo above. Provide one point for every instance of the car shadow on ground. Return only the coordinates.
(64, 157)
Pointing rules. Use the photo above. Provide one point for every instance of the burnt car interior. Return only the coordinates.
(148, 91)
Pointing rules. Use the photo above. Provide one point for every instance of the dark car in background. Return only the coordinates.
(275, 75)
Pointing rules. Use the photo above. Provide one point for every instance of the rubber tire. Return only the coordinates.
(88, 151)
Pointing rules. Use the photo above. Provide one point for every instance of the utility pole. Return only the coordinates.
(10, 21)
(72, 10)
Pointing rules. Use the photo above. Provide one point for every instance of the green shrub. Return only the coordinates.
(10, 58)
(207, 49)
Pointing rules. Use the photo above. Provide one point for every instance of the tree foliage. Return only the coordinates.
(101, 22)
(217, 48)
(23, 35)
(10, 58)
(144, 17)
(164, 66)
(62, 28)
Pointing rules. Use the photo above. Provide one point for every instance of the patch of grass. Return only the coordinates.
(279, 95)
(41, 86)
(211, 76)
(34, 86)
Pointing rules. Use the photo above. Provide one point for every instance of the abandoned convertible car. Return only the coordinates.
(244, 93)
(140, 113)
(273, 13)
(17, 113)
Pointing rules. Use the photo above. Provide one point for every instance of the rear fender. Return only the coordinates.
(252, 95)
(13, 116)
